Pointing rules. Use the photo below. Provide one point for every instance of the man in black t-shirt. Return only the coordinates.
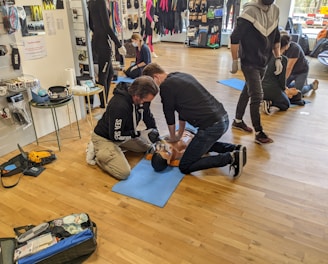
(297, 67)
(181, 93)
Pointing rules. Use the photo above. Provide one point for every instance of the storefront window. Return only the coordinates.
(309, 6)
(311, 13)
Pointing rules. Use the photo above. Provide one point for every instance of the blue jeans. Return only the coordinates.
(252, 90)
(282, 102)
(299, 82)
(206, 140)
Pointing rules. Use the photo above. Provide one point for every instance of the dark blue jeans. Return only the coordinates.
(299, 82)
(282, 101)
(206, 140)
(253, 91)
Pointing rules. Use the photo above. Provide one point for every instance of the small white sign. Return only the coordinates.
(34, 48)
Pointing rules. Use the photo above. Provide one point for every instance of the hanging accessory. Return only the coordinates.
(18, 110)
(15, 58)
(136, 4)
(3, 50)
(10, 18)
(3, 90)
(128, 4)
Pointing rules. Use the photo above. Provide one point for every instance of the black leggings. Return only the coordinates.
(106, 71)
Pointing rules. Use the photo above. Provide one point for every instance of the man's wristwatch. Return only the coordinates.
(278, 58)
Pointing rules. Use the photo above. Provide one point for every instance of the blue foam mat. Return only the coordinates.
(233, 83)
(123, 79)
(149, 186)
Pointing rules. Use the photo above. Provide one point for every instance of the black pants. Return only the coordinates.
(133, 74)
(106, 71)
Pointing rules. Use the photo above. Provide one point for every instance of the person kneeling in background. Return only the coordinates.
(276, 96)
(143, 57)
(297, 67)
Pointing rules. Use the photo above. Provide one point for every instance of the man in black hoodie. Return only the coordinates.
(117, 131)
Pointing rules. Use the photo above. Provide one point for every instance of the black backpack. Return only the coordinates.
(304, 43)
(321, 46)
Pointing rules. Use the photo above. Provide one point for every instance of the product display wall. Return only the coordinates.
(15, 123)
(47, 64)
(206, 18)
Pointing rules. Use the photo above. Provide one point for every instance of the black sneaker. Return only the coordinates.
(241, 126)
(237, 163)
(244, 150)
(262, 138)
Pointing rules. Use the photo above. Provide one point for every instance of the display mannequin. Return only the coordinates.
(235, 6)
(99, 22)
(150, 25)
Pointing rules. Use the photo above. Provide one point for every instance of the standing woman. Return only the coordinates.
(143, 56)
(150, 25)
(99, 23)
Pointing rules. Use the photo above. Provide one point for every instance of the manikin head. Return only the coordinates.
(267, 2)
(158, 162)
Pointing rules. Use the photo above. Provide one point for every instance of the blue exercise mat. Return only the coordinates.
(150, 186)
(233, 83)
(123, 79)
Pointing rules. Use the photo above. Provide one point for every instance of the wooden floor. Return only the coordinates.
(277, 211)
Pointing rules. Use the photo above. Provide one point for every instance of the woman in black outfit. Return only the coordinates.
(99, 22)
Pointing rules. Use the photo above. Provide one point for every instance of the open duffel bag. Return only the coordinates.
(70, 239)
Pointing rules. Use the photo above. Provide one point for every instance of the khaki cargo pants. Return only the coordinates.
(110, 156)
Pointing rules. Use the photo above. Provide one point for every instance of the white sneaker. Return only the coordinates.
(265, 106)
(91, 157)
(273, 109)
(315, 85)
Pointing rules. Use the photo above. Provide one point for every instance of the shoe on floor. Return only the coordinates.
(315, 85)
(262, 138)
(266, 106)
(273, 109)
(91, 157)
(241, 126)
(237, 164)
(244, 151)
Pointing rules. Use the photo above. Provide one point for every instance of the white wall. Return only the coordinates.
(285, 6)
